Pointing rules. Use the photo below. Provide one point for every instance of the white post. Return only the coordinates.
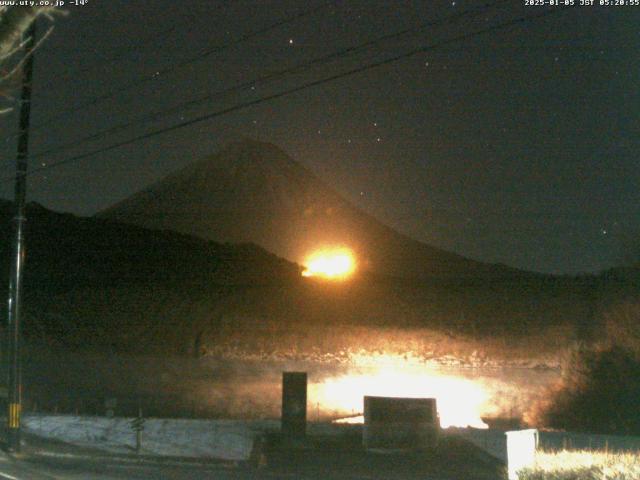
(521, 450)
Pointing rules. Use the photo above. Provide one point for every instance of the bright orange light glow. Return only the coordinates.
(459, 400)
(336, 264)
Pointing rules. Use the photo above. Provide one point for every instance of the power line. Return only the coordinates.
(314, 83)
(204, 54)
(265, 78)
(125, 52)
(118, 55)
(305, 86)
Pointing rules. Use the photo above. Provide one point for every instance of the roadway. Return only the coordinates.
(321, 459)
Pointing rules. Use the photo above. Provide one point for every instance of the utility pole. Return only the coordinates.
(14, 385)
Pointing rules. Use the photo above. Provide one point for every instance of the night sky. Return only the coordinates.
(518, 146)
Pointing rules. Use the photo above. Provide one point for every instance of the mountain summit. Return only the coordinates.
(254, 192)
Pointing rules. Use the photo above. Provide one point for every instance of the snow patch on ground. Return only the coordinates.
(494, 442)
(217, 439)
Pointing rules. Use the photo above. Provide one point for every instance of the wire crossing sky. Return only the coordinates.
(216, 49)
(271, 76)
(501, 132)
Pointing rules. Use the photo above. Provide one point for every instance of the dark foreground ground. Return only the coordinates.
(318, 458)
(344, 457)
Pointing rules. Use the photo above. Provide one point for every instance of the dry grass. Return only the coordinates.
(583, 465)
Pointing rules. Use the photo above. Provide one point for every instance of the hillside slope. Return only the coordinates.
(99, 285)
(67, 252)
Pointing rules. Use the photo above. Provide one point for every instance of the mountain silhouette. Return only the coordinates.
(253, 191)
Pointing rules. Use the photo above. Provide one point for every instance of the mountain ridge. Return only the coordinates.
(253, 191)
(67, 251)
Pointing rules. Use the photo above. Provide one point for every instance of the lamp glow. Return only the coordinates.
(333, 264)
